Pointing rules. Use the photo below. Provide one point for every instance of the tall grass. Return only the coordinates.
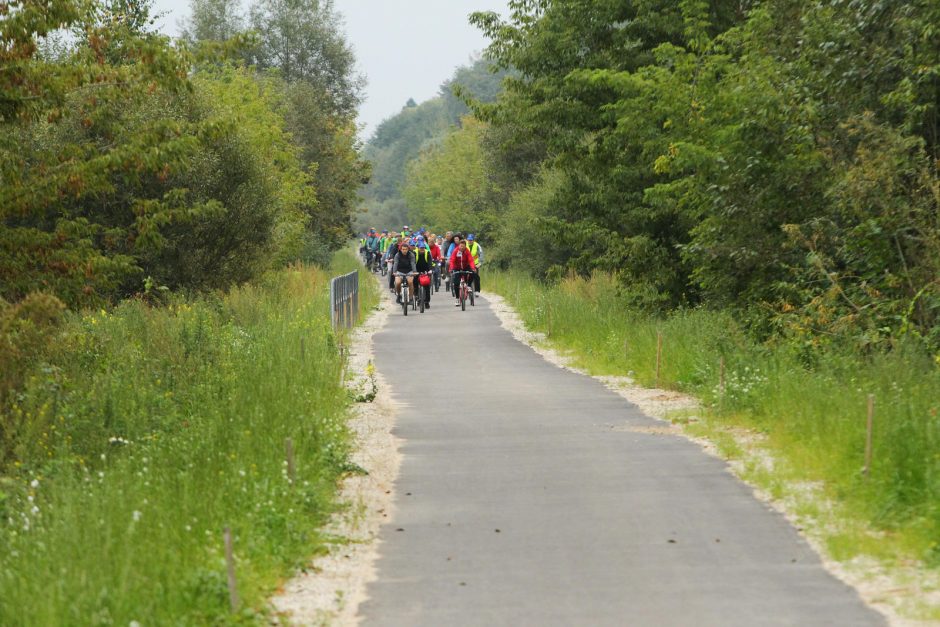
(814, 416)
(151, 430)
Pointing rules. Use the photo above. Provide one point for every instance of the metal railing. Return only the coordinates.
(344, 300)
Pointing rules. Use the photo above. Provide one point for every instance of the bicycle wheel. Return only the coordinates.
(470, 291)
(404, 299)
(463, 297)
(421, 298)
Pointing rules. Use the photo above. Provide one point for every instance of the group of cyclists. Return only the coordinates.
(452, 259)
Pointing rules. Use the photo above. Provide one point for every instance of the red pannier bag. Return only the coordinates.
(424, 280)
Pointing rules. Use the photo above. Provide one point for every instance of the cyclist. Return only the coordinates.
(477, 251)
(436, 257)
(403, 267)
(454, 244)
(389, 257)
(445, 249)
(460, 260)
(424, 262)
(372, 247)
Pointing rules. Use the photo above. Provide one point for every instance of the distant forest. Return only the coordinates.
(400, 139)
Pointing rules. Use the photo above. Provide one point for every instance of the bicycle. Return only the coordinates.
(407, 298)
(420, 289)
(370, 260)
(438, 270)
(465, 289)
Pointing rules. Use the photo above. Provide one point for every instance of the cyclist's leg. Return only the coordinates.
(476, 280)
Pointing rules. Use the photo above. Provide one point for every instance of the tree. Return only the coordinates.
(772, 158)
(401, 138)
(446, 185)
(330, 150)
(303, 39)
(63, 147)
(213, 20)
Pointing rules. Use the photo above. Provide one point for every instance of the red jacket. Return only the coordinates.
(461, 261)
(435, 252)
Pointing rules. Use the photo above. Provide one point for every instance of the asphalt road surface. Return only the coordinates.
(519, 504)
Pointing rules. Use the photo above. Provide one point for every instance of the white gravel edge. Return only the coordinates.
(332, 587)
(885, 590)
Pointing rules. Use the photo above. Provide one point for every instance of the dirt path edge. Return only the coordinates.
(331, 588)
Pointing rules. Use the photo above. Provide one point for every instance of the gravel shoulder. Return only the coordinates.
(331, 587)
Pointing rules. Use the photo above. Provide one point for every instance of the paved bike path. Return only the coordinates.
(518, 504)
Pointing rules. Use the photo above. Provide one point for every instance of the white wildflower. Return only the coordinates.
(34, 483)
(136, 515)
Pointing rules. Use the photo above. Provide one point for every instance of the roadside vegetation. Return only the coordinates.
(147, 430)
(812, 414)
(169, 214)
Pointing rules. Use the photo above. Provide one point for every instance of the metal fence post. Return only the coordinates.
(333, 303)
(355, 281)
(344, 300)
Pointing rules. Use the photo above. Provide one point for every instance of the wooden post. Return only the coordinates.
(230, 566)
(289, 451)
(721, 376)
(659, 355)
(868, 429)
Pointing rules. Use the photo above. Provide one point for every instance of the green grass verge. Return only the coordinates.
(151, 430)
(814, 417)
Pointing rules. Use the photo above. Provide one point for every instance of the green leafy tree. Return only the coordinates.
(401, 138)
(446, 185)
(304, 40)
(722, 152)
(253, 175)
(212, 20)
(64, 146)
(329, 148)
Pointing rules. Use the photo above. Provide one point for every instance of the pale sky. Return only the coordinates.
(405, 48)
